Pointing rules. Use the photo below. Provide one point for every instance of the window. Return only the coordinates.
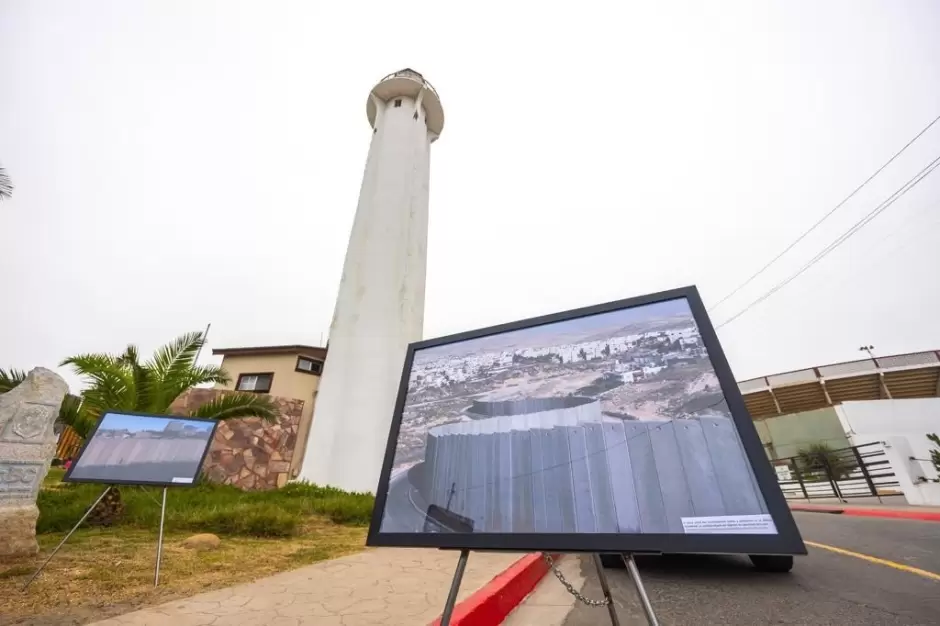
(397, 103)
(308, 365)
(257, 383)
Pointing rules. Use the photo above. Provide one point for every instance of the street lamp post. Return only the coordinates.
(881, 375)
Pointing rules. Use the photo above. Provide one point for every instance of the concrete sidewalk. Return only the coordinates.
(870, 509)
(550, 603)
(380, 586)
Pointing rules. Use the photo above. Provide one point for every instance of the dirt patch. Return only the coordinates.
(102, 573)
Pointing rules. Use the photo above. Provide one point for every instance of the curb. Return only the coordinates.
(496, 599)
(923, 516)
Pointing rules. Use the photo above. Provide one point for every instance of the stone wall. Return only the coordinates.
(248, 453)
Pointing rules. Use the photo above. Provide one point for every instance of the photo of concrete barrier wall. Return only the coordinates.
(569, 470)
(614, 423)
(152, 450)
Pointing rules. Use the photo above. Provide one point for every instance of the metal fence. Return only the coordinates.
(854, 472)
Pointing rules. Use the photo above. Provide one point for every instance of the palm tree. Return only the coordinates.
(10, 379)
(822, 460)
(6, 185)
(123, 383)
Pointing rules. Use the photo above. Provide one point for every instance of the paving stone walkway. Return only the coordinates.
(394, 587)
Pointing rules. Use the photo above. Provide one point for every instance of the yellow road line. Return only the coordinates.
(874, 559)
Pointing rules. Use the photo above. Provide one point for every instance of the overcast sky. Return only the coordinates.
(178, 163)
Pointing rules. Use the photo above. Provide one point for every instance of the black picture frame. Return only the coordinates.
(787, 540)
(104, 481)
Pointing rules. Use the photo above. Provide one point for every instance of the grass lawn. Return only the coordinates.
(103, 572)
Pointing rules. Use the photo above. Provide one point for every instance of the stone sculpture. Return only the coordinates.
(27, 445)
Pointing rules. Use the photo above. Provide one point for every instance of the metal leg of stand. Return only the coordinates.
(66, 538)
(605, 587)
(454, 588)
(634, 572)
(156, 570)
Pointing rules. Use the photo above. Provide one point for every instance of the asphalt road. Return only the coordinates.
(404, 509)
(824, 587)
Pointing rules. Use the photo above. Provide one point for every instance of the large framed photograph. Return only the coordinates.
(614, 428)
(142, 449)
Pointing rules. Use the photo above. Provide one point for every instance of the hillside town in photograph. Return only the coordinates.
(641, 364)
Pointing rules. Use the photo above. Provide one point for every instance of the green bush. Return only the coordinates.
(211, 508)
(820, 461)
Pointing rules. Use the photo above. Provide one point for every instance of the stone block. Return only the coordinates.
(18, 530)
(201, 542)
(27, 445)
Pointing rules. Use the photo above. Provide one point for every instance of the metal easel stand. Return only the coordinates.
(608, 600)
(454, 588)
(66, 538)
(156, 571)
(634, 572)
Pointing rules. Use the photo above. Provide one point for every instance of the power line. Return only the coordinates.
(824, 217)
(842, 238)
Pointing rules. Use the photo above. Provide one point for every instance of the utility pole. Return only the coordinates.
(205, 336)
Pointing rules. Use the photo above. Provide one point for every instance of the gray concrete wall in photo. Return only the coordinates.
(649, 493)
(736, 481)
(599, 468)
(677, 501)
(606, 476)
(627, 513)
(585, 520)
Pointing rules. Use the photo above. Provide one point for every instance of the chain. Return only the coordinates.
(561, 578)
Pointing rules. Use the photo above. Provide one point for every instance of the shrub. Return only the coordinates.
(935, 455)
(820, 458)
(208, 507)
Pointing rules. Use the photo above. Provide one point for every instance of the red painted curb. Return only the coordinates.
(491, 604)
(923, 516)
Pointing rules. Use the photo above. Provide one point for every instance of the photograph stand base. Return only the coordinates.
(608, 601)
(156, 571)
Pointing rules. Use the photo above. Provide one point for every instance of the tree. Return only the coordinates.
(123, 383)
(6, 185)
(582, 354)
(820, 458)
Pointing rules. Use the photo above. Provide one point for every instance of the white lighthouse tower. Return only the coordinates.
(380, 307)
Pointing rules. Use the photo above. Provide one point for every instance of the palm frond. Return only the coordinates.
(178, 354)
(131, 355)
(10, 379)
(170, 367)
(145, 388)
(88, 364)
(203, 374)
(6, 185)
(111, 383)
(236, 405)
(75, 413)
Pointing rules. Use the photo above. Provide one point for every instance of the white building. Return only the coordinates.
(380, 307)
(901, 426)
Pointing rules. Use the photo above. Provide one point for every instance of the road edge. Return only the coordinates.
(495, 600)
(923, 516)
